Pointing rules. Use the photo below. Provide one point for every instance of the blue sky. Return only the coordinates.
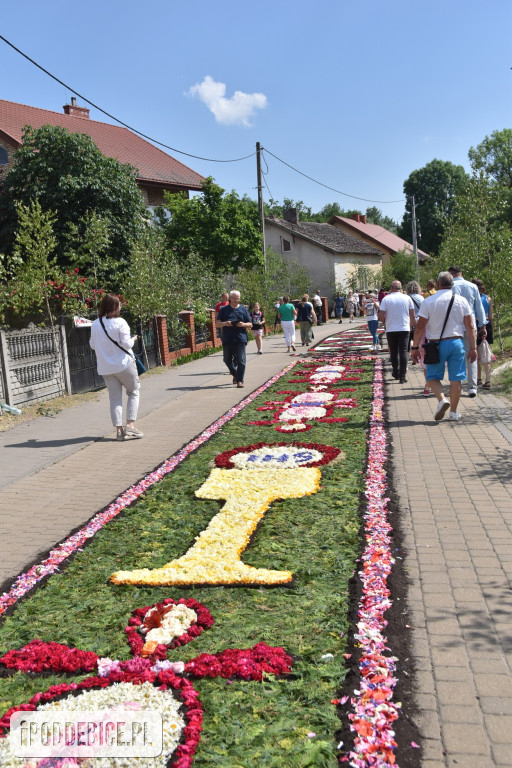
(355, 95)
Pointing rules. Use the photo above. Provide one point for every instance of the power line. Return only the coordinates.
(338, 191)
(117, 120)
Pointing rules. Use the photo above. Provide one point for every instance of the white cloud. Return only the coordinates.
(237, 110)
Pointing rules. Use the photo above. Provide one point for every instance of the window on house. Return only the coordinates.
(4, 159)
(285, 245)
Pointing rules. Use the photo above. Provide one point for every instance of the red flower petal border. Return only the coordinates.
(329, 453)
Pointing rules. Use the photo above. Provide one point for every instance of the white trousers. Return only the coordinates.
(471, 368)
(129, 379)
(288, 327)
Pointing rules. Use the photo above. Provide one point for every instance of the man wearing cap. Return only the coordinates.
(431, 318)
(472, 295)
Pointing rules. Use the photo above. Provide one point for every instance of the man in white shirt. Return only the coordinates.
(317, 303)
(472, 295)
(397, 313)
(431, 318)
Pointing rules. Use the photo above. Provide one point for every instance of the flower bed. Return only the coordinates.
(289, 508)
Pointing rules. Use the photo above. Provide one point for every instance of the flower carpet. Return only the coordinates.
(217, 590)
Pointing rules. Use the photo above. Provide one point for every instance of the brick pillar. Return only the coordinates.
(325, 308)
(190, 329)
(216, 341)
(163, 343)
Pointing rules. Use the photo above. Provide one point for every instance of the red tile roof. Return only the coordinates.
(380, 236)
(153, 165)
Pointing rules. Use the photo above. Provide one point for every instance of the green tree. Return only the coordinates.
(88, 244)
(278, 278)
(221, 229)
(493, 156)
(479, 240)
(375, 216)
(157, 282)
(434, 188)
(67, 174)
(33, 282)
(402, 266)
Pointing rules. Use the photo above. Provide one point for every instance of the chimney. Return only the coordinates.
(363, 218)
(356, 217)
(291, 215)
(75, 111)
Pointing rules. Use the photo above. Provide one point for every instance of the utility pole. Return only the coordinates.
(261, 212)
(414, 237)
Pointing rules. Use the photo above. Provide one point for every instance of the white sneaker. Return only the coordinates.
(441, 409)
(472, 392)
(454, 416)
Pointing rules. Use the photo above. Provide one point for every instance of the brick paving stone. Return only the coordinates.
(465, 738)
(458, 713)
(502, 755)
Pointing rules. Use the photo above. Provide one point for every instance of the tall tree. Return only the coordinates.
(479, 239)
(375, 216)
(222, 229)
(434, 188)
(67, 174)
(493, 156)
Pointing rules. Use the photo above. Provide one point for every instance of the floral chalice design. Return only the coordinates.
(248, 479)
(147, 681)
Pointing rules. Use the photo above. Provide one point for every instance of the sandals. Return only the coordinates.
(479, 382)
(487, 385)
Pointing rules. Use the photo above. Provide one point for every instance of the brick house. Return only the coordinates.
(329, 254)
(156, 170)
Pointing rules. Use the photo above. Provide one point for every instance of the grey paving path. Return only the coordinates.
(55, 473)
(455, 490)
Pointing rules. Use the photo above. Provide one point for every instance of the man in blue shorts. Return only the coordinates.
(431, 318)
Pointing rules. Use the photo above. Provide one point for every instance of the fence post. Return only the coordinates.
(216, 341)
(190, 333)
(63, 350)
(6, 373)
(325, 308)
(163, 344)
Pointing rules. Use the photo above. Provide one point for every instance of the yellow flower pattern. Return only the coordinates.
(215, 556)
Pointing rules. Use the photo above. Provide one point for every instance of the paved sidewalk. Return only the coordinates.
(56, 473)
(453, 480)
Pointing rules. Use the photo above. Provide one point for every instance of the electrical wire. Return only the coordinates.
(338, 191)
(117, 120)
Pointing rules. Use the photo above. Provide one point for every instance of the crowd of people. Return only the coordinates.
(449, 326)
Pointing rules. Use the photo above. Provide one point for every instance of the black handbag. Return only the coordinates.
(431, 348)
(141, 368)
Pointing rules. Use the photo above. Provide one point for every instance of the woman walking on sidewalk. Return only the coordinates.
(258, 321)
(111, 340)
(288, 313)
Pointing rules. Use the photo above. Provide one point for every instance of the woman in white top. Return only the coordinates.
(116, 364)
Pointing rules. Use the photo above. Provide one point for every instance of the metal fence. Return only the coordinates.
(38, 364)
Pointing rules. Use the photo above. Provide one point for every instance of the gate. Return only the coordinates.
(83, 371)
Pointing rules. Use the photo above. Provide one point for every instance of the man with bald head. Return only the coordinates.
(397, 313)
(235, 321)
